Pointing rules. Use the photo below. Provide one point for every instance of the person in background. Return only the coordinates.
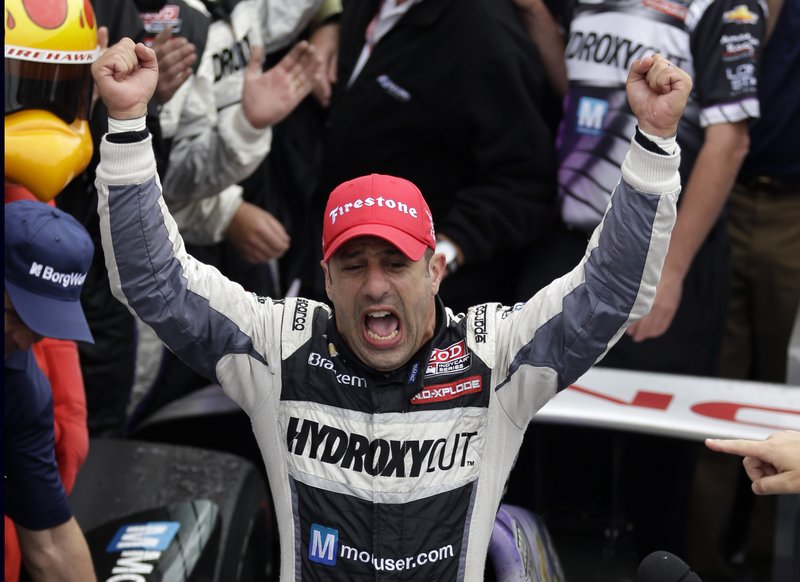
(720, 43)
(47, 256)
(447, 94)
(108, 364)
(543, 20)
(773, 465)
(220, 123)
(764, 229)
(47, 144)
(286, 182)
(218, 129)
(764, 217)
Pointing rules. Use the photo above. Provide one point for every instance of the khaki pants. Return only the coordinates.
(764, 226)
(764, 229)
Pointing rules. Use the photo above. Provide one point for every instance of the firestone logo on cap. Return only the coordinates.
(381, 206)
(380, 201)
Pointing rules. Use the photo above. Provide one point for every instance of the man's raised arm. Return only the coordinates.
(204, 318)
(564, 329)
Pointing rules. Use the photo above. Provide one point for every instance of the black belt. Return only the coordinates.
(770, 184)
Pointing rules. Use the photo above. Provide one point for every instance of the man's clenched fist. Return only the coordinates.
(657, 93)
(126, 76)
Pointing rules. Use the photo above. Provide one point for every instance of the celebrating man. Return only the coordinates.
(388, 424)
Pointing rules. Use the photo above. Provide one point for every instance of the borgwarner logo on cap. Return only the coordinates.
(47, 273)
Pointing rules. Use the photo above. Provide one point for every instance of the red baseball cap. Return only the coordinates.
(377, 205)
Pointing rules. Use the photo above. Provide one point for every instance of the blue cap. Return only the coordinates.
(48, 254)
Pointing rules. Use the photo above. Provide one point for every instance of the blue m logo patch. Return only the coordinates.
(323, 545)
(591, 113)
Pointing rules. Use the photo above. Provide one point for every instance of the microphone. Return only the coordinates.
(665, 567)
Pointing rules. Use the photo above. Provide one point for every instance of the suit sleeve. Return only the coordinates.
(726, 44)
(196, 311)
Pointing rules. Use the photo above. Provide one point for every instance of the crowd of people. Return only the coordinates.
(449, 154)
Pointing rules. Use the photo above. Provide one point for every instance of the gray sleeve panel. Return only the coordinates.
(594, 313)
(159, 293)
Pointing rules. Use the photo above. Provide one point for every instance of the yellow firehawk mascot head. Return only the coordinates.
(50, 47)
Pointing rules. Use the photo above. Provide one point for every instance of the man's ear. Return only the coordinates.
(437, 267)
(327, 275)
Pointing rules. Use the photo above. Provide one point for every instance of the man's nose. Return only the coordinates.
(376, 285)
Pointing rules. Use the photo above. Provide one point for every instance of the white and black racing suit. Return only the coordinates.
(384, 476)
(718, 43)
(213, 145)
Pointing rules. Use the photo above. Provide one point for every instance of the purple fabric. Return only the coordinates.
(521, 549)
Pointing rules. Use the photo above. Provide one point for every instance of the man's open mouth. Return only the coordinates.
(382, 325)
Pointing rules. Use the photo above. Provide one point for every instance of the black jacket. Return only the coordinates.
(450, 99)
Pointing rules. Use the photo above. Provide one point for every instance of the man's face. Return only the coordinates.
(18, 336)
(384, 302)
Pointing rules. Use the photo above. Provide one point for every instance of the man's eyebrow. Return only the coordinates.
(351, 254)
(392, 251)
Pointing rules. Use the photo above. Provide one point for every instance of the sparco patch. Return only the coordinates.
(480, 324)
(300, 315)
